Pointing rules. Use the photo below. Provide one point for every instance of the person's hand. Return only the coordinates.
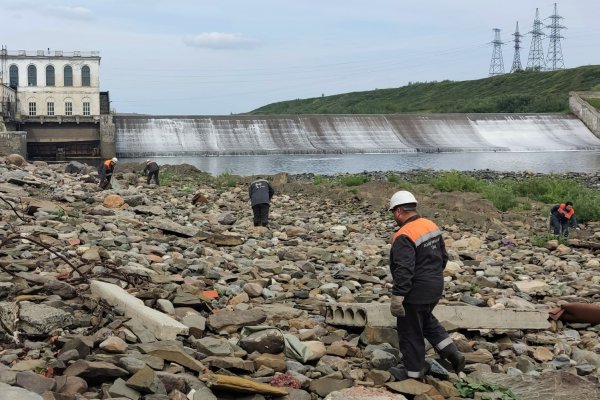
(396, 307)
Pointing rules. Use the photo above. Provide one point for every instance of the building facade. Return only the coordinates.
(53, 83)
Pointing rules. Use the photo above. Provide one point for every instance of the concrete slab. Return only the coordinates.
(451, 317)
(163, 326)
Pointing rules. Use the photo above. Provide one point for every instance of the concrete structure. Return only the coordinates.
(54, 83)
(585, 111)
(8, 102)
(143, 136)
(161, 325)
(57, 101)
(452, 317)
(13, 143)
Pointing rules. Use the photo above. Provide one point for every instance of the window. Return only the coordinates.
(85, 76)
(50, 107)
(32, 108)
(32, 76)
(68, 107)
(68, 76)
(49, 75)
(86, 108)
(14, 76)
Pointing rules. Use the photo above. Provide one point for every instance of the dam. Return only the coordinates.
(145, 136)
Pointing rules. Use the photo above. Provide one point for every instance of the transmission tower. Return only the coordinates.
(554, 58)
(536, 52)
(497, 64)
(516, 65)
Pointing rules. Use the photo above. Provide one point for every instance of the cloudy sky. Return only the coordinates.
(188, 57)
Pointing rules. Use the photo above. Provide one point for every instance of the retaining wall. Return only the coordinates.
(13, 142)
(585, 111)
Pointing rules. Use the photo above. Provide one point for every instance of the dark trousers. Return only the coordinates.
(261, 214)
(151, 175)
(560, 227)
(419, 324)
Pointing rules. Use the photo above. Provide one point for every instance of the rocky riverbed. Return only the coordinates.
(140, 293)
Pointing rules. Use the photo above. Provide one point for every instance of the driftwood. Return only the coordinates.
(237, 384)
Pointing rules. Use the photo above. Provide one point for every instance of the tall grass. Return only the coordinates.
(504, 194)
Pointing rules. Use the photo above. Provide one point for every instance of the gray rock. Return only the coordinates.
(268, 341)
(15, 393)
(40, 319)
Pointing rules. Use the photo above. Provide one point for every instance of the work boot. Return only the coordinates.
(400, 374)
(455, 357)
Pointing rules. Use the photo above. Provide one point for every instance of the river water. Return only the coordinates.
(329, 164)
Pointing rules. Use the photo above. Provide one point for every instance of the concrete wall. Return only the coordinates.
(61, 132)
(108, 147)
(13, 143)
(585, 111)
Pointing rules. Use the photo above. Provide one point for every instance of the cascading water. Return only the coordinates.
(317, 134)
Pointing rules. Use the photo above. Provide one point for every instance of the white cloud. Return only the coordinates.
(70, 12)
(220, 41)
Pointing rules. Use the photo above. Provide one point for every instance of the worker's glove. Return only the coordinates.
(577, 228)
(396, 306)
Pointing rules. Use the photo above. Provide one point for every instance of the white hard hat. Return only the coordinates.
(114, 159)
(402, 197)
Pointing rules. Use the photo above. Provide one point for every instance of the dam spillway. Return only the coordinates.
(141, 136)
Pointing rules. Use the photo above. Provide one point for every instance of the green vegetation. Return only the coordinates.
(522, 92)
(541, 240)
(166, 177)
(505, 194)
(227, 179)
(353, 180)
(319, 179)
(595, 103)
(468, 390)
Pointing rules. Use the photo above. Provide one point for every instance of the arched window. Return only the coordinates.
(49, 75)
(85, 76)
(13, 73)
(31, 75)
(68, 75)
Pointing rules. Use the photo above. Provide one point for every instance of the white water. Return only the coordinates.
(347, 134)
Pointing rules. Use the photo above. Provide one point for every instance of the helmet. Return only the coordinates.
(147, 161)
(114, 159)
(402, 197)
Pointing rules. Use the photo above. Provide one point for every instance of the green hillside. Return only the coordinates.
(522, 92)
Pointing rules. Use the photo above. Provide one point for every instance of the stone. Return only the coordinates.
(114, 344)
(409, 386)
(229, 363)
(226, 218)
(16, 393)
(235, 319)
(267, 341)
(120, 389)
(531, 287)
(40, 319)
(542, 354)
(70, 385)
(146, 381)
(173, 228)
(94, 370)
(113, 201)
(75, 167)
(364, 393)
(34, 382)
(324, 386)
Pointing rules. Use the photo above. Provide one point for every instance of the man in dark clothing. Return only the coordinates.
(561, 216)
(260, 192)
(151, 172)
(106, 172)
(417, 260)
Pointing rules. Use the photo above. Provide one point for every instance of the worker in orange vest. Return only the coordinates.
(106, 172)
(561, 217)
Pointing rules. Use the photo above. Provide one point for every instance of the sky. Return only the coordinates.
(217, 57)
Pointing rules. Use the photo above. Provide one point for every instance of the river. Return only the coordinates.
(329, 164)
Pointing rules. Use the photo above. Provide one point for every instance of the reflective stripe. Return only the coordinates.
(416, 229)
(427, 236)
(412, 374)
(444, 343)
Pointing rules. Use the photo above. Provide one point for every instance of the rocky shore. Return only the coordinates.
(140, 293)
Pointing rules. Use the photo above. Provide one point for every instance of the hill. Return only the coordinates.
(522, 92)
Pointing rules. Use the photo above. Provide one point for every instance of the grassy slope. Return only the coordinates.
(520, 92)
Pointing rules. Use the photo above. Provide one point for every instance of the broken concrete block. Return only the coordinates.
(163, 326)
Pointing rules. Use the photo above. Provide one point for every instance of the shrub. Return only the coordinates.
(455, 181)
(319, 179)
(501, 197)
(353, 180)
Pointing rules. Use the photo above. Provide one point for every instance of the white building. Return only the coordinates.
(53, 84)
